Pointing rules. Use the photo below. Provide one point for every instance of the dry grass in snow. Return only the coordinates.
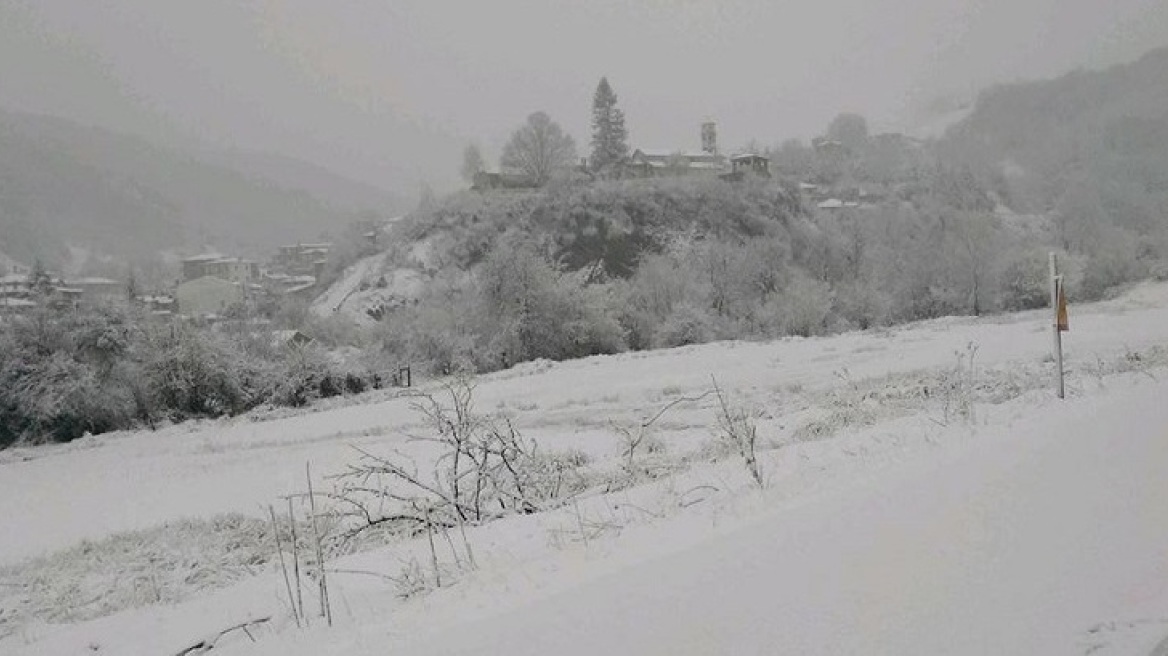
(165, 564)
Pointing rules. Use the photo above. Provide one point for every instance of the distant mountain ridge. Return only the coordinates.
(63, 183)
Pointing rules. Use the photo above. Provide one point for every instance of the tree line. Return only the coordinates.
(540, 148)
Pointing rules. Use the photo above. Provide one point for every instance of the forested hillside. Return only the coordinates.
(1090, 149)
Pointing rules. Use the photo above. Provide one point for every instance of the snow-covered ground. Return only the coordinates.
(1031, 526)
(364, 286)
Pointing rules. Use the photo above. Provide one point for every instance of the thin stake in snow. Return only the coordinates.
(326, 610)
(1058, 310)
(283, 565)
(433, 551)
(296, 562)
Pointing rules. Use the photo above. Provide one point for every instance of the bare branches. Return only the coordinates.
(326, 610)
(283, 565)
(298, 604)
(486, 469)
(739, 428)
(204, 646)
(641, 435)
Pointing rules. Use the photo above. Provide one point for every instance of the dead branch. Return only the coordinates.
(206, 645)
(283, 565)
(325, 607)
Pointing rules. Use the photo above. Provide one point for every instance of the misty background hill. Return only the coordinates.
(1087, 144)
(64, 184)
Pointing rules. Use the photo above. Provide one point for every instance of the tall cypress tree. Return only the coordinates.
(609, 136)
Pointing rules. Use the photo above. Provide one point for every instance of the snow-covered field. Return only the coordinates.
(896, 519)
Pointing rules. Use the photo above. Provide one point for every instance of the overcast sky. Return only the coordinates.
(389, 91)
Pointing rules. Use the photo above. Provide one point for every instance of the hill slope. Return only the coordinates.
(67, 184)
(1098, 134)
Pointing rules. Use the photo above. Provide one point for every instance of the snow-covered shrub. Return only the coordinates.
(303, 374)
(437, 335)
(861, 304)
(200, 374)
(533, 310)
(801, 308)
(686, 324)
(64, 375)
(1026, 281)
(1112, 264)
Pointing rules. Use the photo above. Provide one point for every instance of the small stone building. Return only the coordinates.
(208, 296)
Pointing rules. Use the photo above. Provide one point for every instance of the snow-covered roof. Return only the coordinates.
(203, 281)
(667, 154)
(205, 257)
(831, 204)
(93, 280)
(16, 302)
(285, 337)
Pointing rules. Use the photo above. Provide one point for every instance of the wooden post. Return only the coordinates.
(1055, 282)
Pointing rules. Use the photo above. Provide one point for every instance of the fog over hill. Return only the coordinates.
(65, 184)
(391, 91)
(1091, 147)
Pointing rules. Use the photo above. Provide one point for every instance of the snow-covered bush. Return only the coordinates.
(685, 324)
(64, 375)
(200, 374)
(67, 373)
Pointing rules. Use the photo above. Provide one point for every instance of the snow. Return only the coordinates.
(1039, 528)
(350, 281)
(1017, 547)
(360, 289)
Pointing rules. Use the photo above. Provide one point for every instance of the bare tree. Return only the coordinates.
(539, 148)
(979, 245)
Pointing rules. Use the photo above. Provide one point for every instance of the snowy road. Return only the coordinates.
(1019, 545)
